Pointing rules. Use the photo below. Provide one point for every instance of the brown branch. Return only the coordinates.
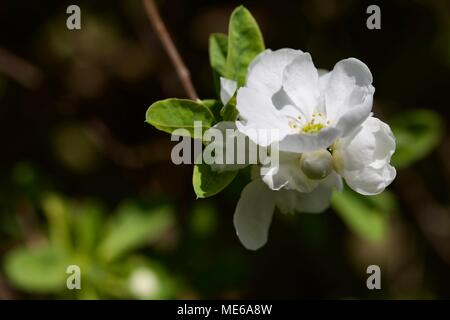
(20, 70)
(169, 46)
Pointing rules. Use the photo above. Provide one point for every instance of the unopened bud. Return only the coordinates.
(317, 164)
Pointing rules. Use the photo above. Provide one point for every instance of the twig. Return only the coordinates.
(166, 40)
(20, 70)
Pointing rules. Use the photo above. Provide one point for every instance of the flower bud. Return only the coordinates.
(317, 164)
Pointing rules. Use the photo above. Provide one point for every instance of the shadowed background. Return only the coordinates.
(83, 180)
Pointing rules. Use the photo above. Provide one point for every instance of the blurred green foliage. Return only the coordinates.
(80, 234)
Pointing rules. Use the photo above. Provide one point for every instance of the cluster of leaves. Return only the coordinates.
(230, 57)
(79, 233)
(417, 132)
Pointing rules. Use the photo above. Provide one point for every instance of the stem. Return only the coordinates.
(169, 46)
(20, 70)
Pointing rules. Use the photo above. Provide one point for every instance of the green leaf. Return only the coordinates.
(57, 213)
(41, 270)
(170, 114)
(218, 50)
(417, 133)
(214, 105)
(229, 111)
(203, 221)
(132, 228)
(245, 42)
(207, 182)
(87, 225)
(366, 216)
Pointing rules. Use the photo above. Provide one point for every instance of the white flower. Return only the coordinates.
(256, 206)
(326, 131)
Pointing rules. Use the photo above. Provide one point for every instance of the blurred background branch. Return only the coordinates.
(164, 36)
(19, 70)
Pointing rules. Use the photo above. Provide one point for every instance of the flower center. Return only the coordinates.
(312, 127)
(317, 123)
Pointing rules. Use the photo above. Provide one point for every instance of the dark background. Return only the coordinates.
(77, 124)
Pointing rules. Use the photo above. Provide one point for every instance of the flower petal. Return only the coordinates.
(349, 95)
(370, 181)
(316, 201)
(306, 142)
(227, 89)
(301, 83)
(287, 174)
(258, 116)
(363, 157)
(265, 73)
(253, 214)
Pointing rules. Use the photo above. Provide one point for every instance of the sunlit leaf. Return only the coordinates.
(417, 133)
(214, 105)
(170, 114)
(40, 270)
(229, 111)
(245, 42)
(366, 216)
(218, 49)
(207, 182)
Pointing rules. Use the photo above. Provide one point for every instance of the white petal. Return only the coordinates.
(253, 214)
(349, 95)
(333, 181)
(370, 181)
(305, 142)
(301, 83)
(324, 78)
(265, 73)
(287, 174)
(290, 201)
(285, 105)
(227, 89)
(258, 116)
(363, 157)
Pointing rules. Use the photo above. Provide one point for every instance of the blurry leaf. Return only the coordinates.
(218, 47)
(214, 105)
(56, 212)
(170, 114)
(366, 216)
(40, 270)
(24, 175)
(203, 219)
(134, 227)
(229, 111)
(207, 182)
(74, 148)
(245, 42)
(417, 133)
(87, 222)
